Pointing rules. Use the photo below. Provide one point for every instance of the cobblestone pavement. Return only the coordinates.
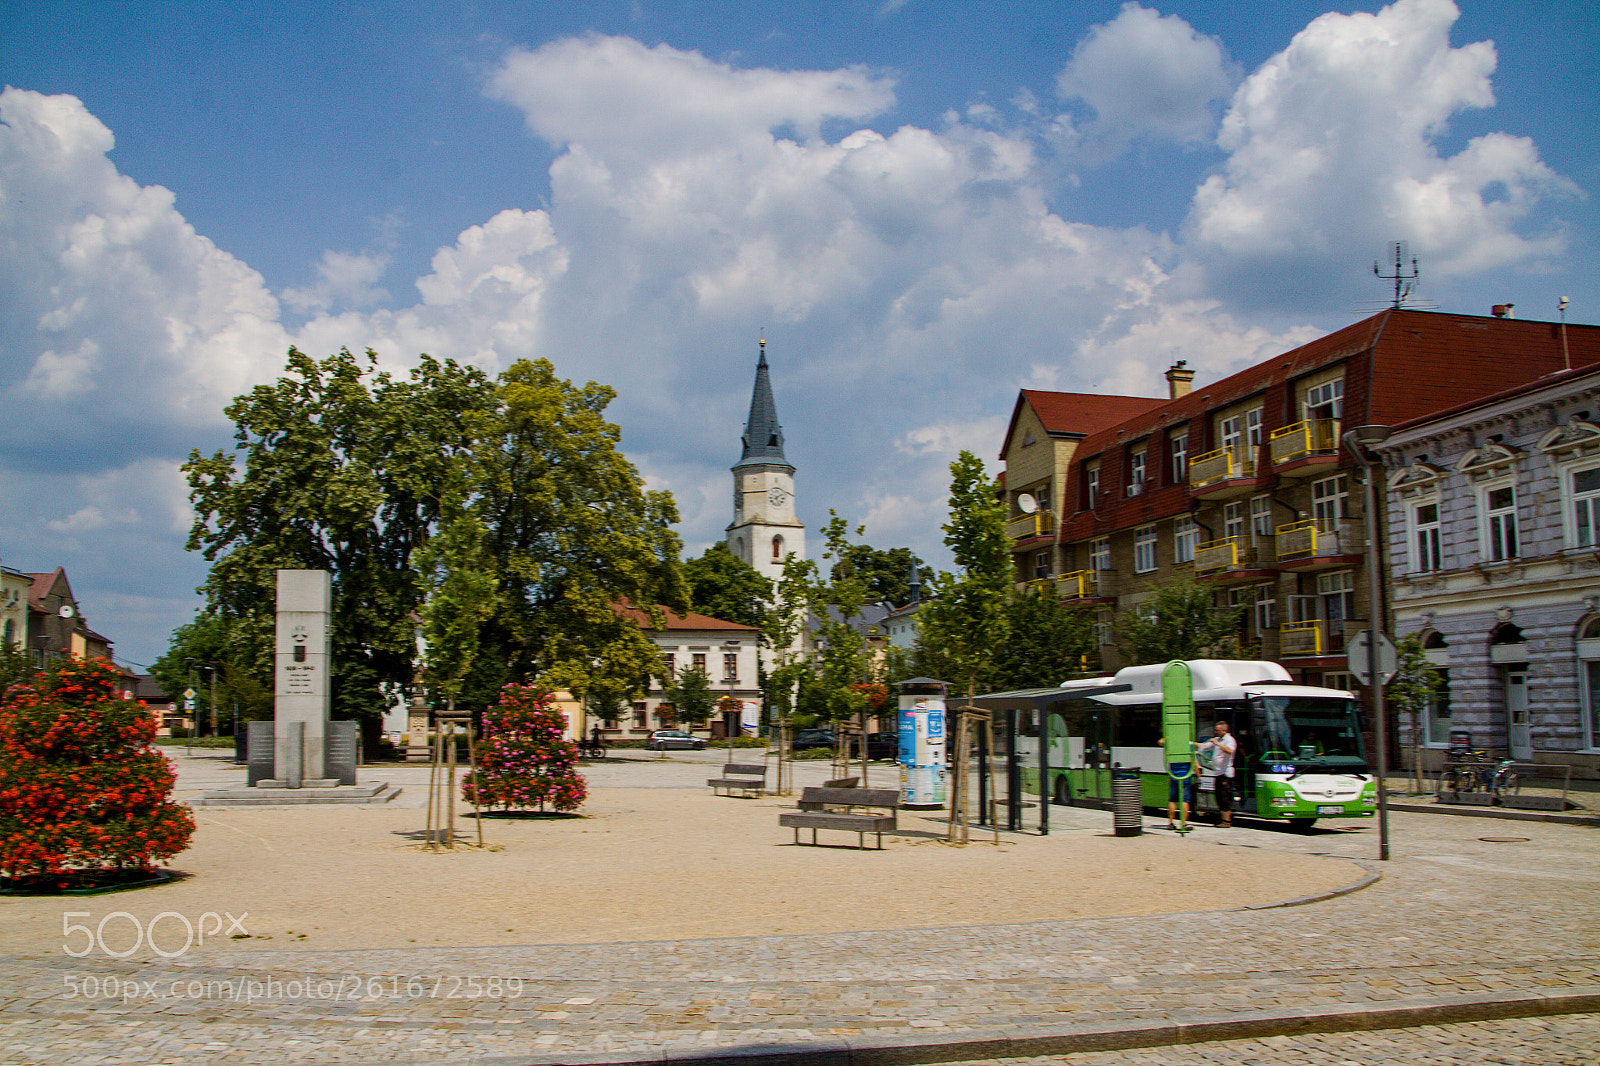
(1567, 1040)
(1480, 937)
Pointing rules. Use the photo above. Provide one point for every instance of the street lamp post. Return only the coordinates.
(1357, 441)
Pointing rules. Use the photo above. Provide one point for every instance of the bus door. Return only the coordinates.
(1081, 748)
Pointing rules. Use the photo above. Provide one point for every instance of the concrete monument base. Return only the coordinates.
(262, 795)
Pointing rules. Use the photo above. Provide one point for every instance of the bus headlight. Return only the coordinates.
(1286, 801)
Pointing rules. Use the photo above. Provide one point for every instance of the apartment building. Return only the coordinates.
(1493, 536)
(1243, 482)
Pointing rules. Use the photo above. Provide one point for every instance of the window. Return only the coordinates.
(1092, 483)
(1500, 523)
(1337, 593)
(1252, 428)
(641, 717)
(1041, 564)
(1144, 549)
(1425, 538)
(1042, 494)
(1589, 679)
(1585, 508)
(730, 666)
(1100, 555)
(777, 547)
(1178, 445)
(1233, 524)
(1326, 400)
(700, 661)
(1103, 627)
(1261, 516)
(669, 663)
(1232, 433)
(1185, 536)
(1136, 471)
(1329, 503)
(1266, 603)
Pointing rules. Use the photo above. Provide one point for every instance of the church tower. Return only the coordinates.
(764, 529)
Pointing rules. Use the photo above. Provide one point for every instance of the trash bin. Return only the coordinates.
(1127, 801)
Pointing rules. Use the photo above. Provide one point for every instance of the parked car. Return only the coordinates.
(663, 739)
(883, 746)
(806, 739)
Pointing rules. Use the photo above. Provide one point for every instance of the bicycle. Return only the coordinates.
(1471, 769)
(589, 748)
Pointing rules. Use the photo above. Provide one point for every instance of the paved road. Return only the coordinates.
(1472, 918)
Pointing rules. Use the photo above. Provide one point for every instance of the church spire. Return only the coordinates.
(763, 436)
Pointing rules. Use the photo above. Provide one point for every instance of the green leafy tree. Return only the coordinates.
(1180, 620)
(462, 593)
(886, 573)
(691, 696)
(1415, 685)
(784, 632)
(1047, 642)
(722, 585)
(842, 660)
(573, 534)
(340, 470)
(200, 646)
(967, 619)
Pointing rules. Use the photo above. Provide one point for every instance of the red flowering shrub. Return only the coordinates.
(525, 762)
(82, 789)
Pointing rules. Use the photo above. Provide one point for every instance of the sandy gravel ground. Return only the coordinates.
(665, 862)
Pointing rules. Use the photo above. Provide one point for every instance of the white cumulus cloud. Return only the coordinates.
(1333, 150)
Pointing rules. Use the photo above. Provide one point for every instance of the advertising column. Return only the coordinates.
(922, 737)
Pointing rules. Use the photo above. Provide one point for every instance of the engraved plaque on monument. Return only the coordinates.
(344, 744)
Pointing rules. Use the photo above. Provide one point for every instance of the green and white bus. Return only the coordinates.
(1300, 755)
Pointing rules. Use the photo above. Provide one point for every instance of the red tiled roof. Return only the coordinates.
(1077, 414)
(681, 621)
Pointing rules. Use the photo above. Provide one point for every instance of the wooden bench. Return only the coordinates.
(746, 777)
(842, 782)
(836, 808)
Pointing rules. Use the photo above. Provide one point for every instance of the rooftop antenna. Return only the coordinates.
(1566, 357)
(1402, 280)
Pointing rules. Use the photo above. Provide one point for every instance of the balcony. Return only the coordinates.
(1222, 474)
(1302, 638)
(1028, 526)
(1310, 546)
(1243, 556)
(1305, 448)
(1078, 585)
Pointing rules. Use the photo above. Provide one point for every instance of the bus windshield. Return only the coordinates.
(1311, 733)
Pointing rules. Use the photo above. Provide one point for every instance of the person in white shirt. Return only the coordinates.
(1222, 747)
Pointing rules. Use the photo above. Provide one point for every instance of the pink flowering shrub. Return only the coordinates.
(525, 762)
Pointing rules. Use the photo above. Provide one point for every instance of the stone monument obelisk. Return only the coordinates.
(302, 696)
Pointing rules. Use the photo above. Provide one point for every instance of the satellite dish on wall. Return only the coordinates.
(1026, 503)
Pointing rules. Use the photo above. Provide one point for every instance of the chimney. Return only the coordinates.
(1503, 310)
(1180, 380)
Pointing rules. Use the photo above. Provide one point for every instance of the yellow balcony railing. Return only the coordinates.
(1224, 554)
(1037, 524)
(1301, 638)
(1311, 437)
(1296, 539)
(1078, 585)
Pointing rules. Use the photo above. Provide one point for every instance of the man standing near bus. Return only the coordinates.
(1222, 746)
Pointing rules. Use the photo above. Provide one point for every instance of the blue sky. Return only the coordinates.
(927, 205)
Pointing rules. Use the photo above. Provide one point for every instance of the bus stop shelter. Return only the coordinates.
(1037, 704)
